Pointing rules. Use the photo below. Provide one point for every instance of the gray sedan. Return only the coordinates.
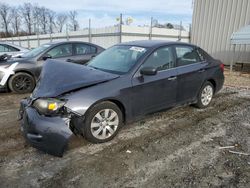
(21, 74)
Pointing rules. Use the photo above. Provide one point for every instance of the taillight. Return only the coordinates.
(222, 67)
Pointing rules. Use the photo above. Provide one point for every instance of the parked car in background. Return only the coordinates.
(122, 84)
(20, 74)
(11, 49)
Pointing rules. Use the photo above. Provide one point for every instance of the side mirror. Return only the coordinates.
(46, 56)
(148, 71)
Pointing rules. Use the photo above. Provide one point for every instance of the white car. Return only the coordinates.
(11, 49)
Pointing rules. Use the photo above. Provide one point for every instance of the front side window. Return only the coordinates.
(36, 51)
(61, 51)
(161, 59)
(186, 55)
(117, 59)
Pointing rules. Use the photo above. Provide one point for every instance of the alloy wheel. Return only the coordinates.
(104, 124)
(206, 95)
(22, 83)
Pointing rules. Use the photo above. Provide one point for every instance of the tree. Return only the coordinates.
(44, 18)
(169, 26)
(51, 20)
(61, 20)
(73, 22)
(5, 14)
(16, 20)
(26, 10)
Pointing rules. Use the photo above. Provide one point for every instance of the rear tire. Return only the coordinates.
(103, 122)
(21, 83)
(205, 96)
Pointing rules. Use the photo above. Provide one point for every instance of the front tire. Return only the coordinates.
(21, 83)
(102, 122)
(205, 96)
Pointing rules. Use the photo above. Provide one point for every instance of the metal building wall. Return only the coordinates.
(213, 23)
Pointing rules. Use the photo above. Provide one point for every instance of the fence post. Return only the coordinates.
(190, 32)
(232, 61)
(151, 29)
(38, 40)
(120, 29)
(179, 37)
(28, 42)
(90, 37)
(19, 40)
(50, 35)
(67, 32)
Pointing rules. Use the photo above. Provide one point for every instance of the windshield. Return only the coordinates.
(117, 59)
(36, 51)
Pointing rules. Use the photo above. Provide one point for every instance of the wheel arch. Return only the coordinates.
(24, 71)
(117, 102)
(213, 82)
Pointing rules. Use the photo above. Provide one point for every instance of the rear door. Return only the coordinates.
(191, 70)
(152, 93)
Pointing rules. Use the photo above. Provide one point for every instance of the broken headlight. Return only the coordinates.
(48, 106)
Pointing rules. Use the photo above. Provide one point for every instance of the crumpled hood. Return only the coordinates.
(58, 77)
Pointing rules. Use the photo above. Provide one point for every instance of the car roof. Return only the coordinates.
(13, 45)
(152, 43)
(65, 42)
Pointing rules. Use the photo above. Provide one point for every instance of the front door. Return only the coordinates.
(152, 93)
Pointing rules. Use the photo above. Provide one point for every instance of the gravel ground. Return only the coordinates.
(175, 148)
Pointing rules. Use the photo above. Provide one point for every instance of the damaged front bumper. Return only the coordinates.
(49, 134)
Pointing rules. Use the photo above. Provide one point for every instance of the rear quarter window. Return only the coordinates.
(204, 55)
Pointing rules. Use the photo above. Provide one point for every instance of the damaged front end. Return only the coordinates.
(46, 119)
(46, 125)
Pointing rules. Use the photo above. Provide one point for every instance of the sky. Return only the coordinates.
(104, 12)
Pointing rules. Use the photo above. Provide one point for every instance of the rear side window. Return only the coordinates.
(82, 49)
(160, 59)
(7, 48)
(186, 55)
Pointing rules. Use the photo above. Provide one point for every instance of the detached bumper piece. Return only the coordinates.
(49, 134)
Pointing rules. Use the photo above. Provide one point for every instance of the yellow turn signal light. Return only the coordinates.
(52, 106)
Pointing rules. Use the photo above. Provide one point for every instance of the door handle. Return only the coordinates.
(69, 60)
(201, 70)
(172, 78)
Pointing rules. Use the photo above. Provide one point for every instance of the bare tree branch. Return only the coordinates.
(51, 20)
(5, 14)
(61, 20)
(26, 10)
(73, 21)
(16, 20)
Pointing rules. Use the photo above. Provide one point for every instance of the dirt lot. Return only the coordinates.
(175, 148)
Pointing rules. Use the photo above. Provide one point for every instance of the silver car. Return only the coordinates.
(11, 49)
